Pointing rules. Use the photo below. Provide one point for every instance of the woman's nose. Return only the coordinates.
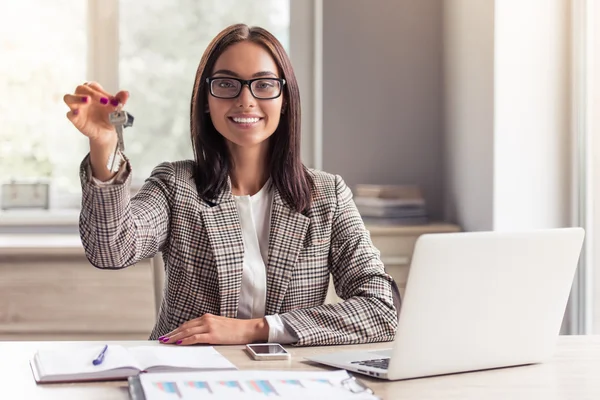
(245, 98)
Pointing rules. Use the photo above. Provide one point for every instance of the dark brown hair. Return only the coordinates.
(213, 161)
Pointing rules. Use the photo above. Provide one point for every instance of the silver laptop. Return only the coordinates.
(474, 301)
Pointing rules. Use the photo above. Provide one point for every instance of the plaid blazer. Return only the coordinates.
(203, 252)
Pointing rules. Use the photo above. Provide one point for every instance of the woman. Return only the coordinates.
(249, 236)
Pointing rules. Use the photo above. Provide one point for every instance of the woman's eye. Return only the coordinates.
(225, 85)
(264, 85)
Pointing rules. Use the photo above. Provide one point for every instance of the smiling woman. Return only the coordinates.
(249, 235)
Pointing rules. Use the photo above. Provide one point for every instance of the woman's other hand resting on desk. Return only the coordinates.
(90, 107)
(213, 329)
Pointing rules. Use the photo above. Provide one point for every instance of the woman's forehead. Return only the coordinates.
(246, 59)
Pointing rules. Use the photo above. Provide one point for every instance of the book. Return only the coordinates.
(388, 191)
(75, 363)
(388, 202)
(250, 384)
(391, 212)
(393, 221)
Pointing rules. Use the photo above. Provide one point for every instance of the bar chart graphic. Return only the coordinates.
(262, 386)
(232, 385)
(168, 387)
(254, 385)
(201, 385)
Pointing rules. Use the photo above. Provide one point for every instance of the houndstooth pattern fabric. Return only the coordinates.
(202, 248)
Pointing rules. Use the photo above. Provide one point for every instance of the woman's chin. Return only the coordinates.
(248, 140)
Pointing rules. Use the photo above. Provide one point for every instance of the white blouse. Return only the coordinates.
(255, 219)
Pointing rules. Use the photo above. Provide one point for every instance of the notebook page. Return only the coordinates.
(180, 357)
(74, 361)
(240, 385)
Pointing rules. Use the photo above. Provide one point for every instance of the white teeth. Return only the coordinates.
(246, 120)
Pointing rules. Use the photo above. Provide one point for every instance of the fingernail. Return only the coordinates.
(178, 342)
(161, 338)
(75, 112)
(165, 340)
(114, 102)
(84, 99)
(104, 100)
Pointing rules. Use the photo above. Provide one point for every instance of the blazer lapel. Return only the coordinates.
(286, 238)
(225, 235)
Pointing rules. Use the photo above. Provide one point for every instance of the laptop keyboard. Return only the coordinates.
(381, 363)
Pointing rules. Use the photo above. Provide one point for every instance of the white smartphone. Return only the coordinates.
(267, 351)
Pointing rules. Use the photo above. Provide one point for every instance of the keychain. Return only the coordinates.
(120, 119)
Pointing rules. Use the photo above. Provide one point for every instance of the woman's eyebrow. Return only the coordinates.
(256, 75)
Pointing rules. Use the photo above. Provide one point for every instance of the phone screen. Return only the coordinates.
(268, 349)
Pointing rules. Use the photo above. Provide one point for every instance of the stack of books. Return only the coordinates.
(391, 204)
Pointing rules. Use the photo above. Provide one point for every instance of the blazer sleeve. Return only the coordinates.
(118, 231)
(367, 314)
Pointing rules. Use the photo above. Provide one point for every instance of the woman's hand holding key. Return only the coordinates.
(90, 107)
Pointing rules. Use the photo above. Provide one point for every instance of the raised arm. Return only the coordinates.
(116, 231)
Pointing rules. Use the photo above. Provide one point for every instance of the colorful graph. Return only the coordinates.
(199, 385)
(232, 384)
(168, 387)
(263, 387)
(292, 382)
(325, 381)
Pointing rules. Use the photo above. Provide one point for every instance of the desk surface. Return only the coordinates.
(573, 373)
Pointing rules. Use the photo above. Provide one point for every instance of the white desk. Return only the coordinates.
(574, 373)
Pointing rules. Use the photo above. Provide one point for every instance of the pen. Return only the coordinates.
(98, 360)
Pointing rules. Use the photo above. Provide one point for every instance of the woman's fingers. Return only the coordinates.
(75, 101)
(94, 95)
(97, 87)
(121, 97)
(194, 339)
(72, 115)
(186, 330)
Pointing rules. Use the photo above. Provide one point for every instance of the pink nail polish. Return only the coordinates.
(84, 99)
(114, 102)
(75, 112)
(178, 342)
(165, 340)
(104, 100)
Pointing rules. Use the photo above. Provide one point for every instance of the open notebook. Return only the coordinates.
(74, 363)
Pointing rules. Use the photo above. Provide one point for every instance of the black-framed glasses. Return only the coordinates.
(261, 88)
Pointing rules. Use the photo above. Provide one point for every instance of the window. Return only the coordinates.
(43, 46)
(47, 48)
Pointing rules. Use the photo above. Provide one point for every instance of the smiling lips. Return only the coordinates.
(245, 121)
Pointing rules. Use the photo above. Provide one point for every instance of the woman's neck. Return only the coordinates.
(250, 169)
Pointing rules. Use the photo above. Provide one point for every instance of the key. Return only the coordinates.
(120, 119)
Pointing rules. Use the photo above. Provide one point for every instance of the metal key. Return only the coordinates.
(120, 119)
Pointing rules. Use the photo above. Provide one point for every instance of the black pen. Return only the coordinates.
(98, 360)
